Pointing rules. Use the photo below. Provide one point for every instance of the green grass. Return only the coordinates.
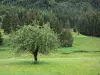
(48, 66)
(55, 63)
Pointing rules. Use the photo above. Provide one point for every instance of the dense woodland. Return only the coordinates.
(83, 16)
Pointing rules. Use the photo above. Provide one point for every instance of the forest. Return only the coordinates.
(66, 29)
(81, 15)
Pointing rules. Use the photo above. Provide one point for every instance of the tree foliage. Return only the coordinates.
(89, 23)
(34, 39)
(66, 38)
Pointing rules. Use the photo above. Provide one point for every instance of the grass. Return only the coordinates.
(55, 63)
(48, 66)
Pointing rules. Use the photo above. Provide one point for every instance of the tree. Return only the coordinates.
(10, 22)
(6, 24)
(95, 3)
(1, 40)
(34, 39)
(65, 36)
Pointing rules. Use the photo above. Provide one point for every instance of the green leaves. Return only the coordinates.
(30, 37)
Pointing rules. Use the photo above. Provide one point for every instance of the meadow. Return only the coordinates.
(81, 59)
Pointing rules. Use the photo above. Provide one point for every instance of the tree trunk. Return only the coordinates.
(35, 53)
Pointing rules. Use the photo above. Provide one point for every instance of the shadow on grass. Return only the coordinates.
(4, 49)
(26, 62)
(81, 51)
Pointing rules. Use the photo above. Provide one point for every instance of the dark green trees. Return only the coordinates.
(95, 3)
(10, 22)
(89, 24)
(1, 39)
(6, 25)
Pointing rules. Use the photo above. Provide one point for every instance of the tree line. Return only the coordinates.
(62, 15)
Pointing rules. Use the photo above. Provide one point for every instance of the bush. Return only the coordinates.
(66, 38)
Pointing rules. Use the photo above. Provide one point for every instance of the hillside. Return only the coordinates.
(56, 63)
(49, 37)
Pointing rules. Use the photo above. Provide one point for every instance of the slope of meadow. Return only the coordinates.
(57, 63)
